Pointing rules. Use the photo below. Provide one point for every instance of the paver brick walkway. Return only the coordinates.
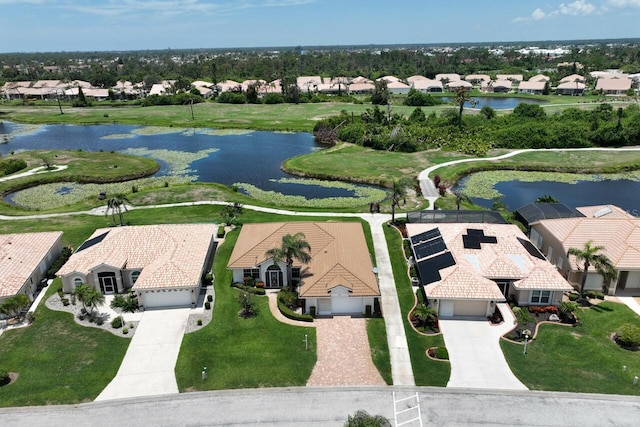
(344, 355)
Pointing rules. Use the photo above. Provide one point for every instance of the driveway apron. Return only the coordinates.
(475, 355)
(344, 355)
(148, 366)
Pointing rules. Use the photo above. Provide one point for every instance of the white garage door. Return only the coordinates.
(594, 282)
(324, 306)
(168, 298)
(633, 280)
(345, 305)
(470, 308)
(446, 308)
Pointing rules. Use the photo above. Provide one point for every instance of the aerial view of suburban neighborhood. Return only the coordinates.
(311, 213)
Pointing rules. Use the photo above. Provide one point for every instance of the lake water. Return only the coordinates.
(499, 103)
(247, 157)
(623, 193)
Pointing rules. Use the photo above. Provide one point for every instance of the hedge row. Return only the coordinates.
(286, 312)
(250, 289)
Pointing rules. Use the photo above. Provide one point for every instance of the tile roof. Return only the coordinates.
(20, 255)
(618, 235)
(339, 252)
(471, 277)
(170, 255)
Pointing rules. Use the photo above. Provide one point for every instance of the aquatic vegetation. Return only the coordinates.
(57, 195)
(481, 185)
(225, 132)
(177, 161)
(21, 130)
(362, 195)
(119, 136)
(156, 130)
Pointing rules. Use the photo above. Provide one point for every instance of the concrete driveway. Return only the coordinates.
(148, 366)
(475, 355)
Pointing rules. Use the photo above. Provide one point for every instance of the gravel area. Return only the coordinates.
(54, 303)
(201, 313)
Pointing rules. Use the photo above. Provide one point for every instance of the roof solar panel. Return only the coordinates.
(533, 251)
(431, 247)
(427, 235)
(489, 239)
(88, 243)
(475, 232)
(429, 269)
(471, 242)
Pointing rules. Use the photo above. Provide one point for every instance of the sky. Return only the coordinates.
(99, 25)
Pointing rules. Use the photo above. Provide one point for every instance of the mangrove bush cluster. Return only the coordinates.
(527, 127)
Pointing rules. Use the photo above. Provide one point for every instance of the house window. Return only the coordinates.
(559, 262)
(540, 297)
(251, 272)
(134, 276)
(536, 238)
(295, 272)
(77, 282)
(549, 253)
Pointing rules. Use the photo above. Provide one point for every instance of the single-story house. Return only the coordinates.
(498, 86)
(229, 86)
(415, 78)
(477, 78)
(361, 88)
(614, 86)
(454, 85)
(388, 79)
(427, 85)
(448, 77)
(466, 268)
(534, 212)
(24, 261)
(573, 78)
(512, 77)
(534, 88)
(570, 88)
(163, 264)
(308, 84)
(539, 78)
(338, 280)
(398, 88)
(617, 231)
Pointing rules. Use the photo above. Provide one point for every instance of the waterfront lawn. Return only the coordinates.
(243, 353)
(58, 361)
(581, 359)
(377, 333)
(425, 371)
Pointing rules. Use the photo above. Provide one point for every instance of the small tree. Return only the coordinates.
(380, 95)
(461, 97)
(399, 195)
(589, 255)
(363, 419)
(13, 306)
(116, 205)
(247, 305)
(90, 297)
(231, 212)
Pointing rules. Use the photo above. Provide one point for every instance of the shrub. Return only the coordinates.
(199, 322)
(207, 305)
(287, 298)
(273, 98)
(289, 314)
(65, 301)
(80, 316)
(209, 298)
(248, 306)
(125, 331)
(312, 311)
(573, 296)
(628, 335)
(250, 289)
(367, 310)
(116, 322)
(220, 233)
(99, 321)
(249, 281)
(130, 325)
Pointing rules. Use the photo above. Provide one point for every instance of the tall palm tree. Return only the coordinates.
(116, 205)
(461, 198)
(589, 255)
(398, 195)
(292, 247)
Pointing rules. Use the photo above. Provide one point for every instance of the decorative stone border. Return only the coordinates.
(435, 358)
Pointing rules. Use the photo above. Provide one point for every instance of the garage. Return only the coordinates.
(166, 298)
(594, 282)
(342, 304)
(463, 308)
(633, 280)
(324, 306)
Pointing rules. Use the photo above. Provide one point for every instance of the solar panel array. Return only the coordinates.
(429, 269)
(533, 251)
(431, 252)
(428, 243)
(91, 242)
(474, 239)
(427, 235)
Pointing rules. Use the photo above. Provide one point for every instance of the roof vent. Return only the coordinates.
(602, 212)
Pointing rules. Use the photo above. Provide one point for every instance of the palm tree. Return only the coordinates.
(460, 198)
(589, 256)
(293, 246)
(92, 299)
(116, 204)
(398, 195)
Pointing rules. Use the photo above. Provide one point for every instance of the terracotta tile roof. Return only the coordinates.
(539, 278)
(617, 84)
(604, 211)
(618, 235)
(508, 259)
(338, 249)
(20, 255)
(169, 255)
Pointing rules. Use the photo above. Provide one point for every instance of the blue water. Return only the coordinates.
(623, 193)
(252, 158)
(498, 103)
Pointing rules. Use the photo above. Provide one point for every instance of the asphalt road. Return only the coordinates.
(307, 406)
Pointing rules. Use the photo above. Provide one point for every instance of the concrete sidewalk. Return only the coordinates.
(476, 358)
(148, 366)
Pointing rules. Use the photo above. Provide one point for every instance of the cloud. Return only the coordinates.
(623, 3)
(577, 8)
(538, 14)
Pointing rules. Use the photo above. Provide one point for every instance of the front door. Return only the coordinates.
(108, 284)
(274, 279)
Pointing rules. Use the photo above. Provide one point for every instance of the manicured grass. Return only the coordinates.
(425, 371)
(243, 353)
(581, 359)
(57, 360)
(377, 334)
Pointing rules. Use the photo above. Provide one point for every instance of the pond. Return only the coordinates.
(249, 159)
(498, 103)
(624, 193)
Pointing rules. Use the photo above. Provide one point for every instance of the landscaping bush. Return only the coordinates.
(116, 322)
(99, 321)
(125, 331)
(249, 281)
(62, 259)
(312, 311)
(199, 322)
(288, 313)
(290, 299)
(573, 296)
(209, 298)
(220, 233)
(65, 301)
(628, 335)
(367, 310)
(207, 305)
(594, 295)
(442, 353)
(257, 291)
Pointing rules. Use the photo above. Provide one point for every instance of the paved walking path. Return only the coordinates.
(344, 355)
(475, 355)
(148, 366)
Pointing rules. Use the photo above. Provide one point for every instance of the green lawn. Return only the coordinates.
(582, 359)
(243, 353)
(377, 333)
(57, 360)
(425, 371)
